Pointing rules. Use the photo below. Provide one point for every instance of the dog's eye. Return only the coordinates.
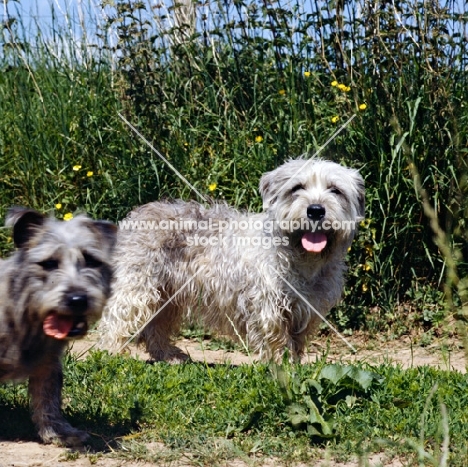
(49, 264)
(91, 261)
(297, 188)
(335, 191)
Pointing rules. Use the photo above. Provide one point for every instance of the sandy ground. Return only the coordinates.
(445, 355)
(401, 352)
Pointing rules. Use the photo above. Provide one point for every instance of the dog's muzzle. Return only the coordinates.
(70, 322)
(315, 241)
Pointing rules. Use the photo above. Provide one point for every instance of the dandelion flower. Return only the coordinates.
(89, 173)
(306, 74)
(363, 107)
(212, 186)
(368, 249)
(341, 86)
(334, 83)
(68, 216)
(76, 168)
(335, 119)
(365, 223)
(347, 89)
(258, 139)
(281, 92)
(58, 206)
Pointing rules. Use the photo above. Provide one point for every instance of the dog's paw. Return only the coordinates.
(63, 434)
(172, 355)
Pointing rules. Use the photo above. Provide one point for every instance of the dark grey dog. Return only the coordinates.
(51, 289)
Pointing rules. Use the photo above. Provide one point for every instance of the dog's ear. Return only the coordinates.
(267, 189)
(108, 232)
(25, 223)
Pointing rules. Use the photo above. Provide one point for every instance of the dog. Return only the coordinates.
(267, 278)
(52, 288)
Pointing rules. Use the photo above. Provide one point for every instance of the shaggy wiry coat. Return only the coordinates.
(263, 277)
(51, 289)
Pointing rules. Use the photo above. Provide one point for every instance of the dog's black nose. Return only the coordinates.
(316, 212)
(77, 303)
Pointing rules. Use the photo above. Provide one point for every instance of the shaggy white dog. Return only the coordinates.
(263, 277)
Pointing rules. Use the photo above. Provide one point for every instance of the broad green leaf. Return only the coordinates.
(306, 384)
(336, 373)
(297, 414)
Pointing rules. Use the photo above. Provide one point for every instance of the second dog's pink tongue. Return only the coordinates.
(57, 326)
(314, 242)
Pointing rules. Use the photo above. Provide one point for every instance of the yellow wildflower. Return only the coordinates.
(58, 206)
(367, 267)
(68, 216)
(306, 74)
(89, 173)
(281, 92)
(76, 168)
(212, 186)
(363, 107)
(341, 86)
(365, 223)
(334, 83)
(335, 119)
(258, 139)
(364, 288)
(347, 89)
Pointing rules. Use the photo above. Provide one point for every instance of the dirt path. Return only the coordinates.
(443, 355)
(29, 454)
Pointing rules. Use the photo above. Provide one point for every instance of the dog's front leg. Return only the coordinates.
(45, 389)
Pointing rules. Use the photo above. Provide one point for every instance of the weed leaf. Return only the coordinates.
(337, 373)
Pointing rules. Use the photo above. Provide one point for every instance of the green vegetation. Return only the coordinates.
(224, 412)
(235, 95)
(224, 99)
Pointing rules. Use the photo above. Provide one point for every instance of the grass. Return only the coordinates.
(209, 340)
(236, 98)
(216, 413)
(249, 87)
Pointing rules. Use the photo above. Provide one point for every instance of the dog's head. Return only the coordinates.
(63, 269)
(316, 202)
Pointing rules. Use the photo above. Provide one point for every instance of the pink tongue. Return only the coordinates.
(314, 241)
(57, 326)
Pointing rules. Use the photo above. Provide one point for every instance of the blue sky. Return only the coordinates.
(33, 12)
(42, 8)
(71, 13)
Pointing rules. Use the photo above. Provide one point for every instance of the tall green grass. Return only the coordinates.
(226, 92)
